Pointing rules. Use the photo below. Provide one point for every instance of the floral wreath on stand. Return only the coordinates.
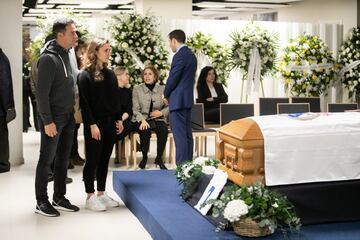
(44, 25)
(349, 60)
(216, 53)
(136, 41)
(253, 51)
(307, 66)
(190, 172)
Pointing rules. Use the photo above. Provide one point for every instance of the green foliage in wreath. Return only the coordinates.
(348, 54)
(248, 38)
(44, 26)
(267, 208)
(307, 66)
(190, 172)
(217, 54)
(139, 35)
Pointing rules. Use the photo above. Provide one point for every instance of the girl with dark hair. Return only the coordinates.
(100, 112)
(211, 94)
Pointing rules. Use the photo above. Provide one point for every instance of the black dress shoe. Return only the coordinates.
(160, 163)
(142, 164)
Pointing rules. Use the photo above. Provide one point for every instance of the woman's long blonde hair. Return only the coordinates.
(91, 61)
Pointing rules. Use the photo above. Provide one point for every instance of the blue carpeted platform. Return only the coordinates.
(153, 197)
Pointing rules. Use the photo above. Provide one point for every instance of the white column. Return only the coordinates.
(11, 44)
(171, 9)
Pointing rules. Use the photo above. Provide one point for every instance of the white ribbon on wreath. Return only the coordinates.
(348, 67)
(136, 58)
(308, 67)
(254, 71)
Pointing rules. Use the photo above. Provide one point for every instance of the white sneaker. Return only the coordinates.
(94, 203)
(108, 201)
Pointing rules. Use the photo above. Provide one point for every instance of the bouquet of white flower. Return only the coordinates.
(255, 204)
(190, 172)
(349, 61)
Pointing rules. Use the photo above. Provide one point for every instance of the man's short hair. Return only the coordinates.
(178, 34)
(60, 24)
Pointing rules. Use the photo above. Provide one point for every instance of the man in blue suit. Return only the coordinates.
(179, 95)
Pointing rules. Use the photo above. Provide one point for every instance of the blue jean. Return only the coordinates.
(55, 149)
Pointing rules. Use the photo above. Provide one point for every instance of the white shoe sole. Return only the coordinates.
(44, 214)
(57, 207)
(96, 210)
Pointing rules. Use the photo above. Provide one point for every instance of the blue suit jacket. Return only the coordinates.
(179, 85)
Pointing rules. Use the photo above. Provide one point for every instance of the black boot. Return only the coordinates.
(159, 161)
(142, 164)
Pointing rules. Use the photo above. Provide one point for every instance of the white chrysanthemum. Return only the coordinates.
(208, 170)
(148, 49)
(124, 45)
(200, 160)
(235, 209)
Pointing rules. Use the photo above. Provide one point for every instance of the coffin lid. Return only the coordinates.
(243, 129)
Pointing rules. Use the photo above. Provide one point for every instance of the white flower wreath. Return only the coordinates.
(349, 61)
(307, 66)
(136, 41)
(217, 54)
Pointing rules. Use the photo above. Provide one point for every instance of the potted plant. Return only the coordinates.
(255, 210)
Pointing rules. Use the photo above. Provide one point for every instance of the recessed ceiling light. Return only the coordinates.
(210, 5)
(93, 5)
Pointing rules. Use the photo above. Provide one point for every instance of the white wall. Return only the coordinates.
(322, 11)
(11, 43)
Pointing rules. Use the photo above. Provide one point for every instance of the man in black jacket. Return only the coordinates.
(55, 98)
(7, 110)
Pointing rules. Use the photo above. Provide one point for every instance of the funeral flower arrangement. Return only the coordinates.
(44, 26)
(190, 172)
(251, 37)
(349, 60)
(136, 41)
(307, 66)
(216, 53)
(268, 209)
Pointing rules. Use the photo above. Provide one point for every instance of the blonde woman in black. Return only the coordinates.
(100, 111)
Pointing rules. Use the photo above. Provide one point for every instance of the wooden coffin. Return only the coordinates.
(240, 148)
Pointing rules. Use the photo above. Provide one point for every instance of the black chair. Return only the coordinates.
(268, 106)
(229, 112)
(198, 129)
(313, 101)
(341, 107)
(293, 108)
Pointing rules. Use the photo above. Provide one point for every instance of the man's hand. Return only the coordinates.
(50, 130)
(165, 100)
(95, 132)
(119, 126)
(156, 114)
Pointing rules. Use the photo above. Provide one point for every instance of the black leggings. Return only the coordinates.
(161, 131)
(98, 153)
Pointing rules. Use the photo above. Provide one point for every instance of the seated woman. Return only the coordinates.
(125, 100)
(150, 114)
(211, 94)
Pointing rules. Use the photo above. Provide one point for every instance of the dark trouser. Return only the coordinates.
(161, 131)
(4, 146)
(57, 148)
(98, 153)
(74, 148)
(180, 122)
(212, 115)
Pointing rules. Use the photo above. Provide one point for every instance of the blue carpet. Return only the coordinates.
(153, 197)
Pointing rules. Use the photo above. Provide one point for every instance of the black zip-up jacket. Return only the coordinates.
(55, 86)
(6, 87)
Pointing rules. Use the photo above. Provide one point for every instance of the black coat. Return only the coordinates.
(6, 87)
(204, 93)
